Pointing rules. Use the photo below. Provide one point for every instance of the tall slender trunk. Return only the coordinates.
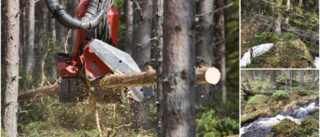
(30, 37)
(287, 12)
(254, 76)
(11, 68)
(129, 27)
(178, 118)
(142, 54)
(51, 27)
(61, 30)
(72, 8)
(157, 43)
(290, 81)
(39, 31)
(22, 38)
(220, 22)
(204, 50)
(301, 77)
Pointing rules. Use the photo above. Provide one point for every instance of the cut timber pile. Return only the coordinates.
(204, 76)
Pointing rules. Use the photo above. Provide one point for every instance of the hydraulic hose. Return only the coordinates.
(91, 19)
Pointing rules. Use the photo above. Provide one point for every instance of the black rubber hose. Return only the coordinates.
(90, 20)
(61, 56)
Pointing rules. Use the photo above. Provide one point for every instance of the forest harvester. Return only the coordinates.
(94, 53)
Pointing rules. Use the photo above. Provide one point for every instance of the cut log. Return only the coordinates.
(204, 76)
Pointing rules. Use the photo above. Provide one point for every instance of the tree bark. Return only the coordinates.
(287, 12)
(72, 8)
(277, 26)
(39, 31)
(274, 78)
(51, 27)
(204, 50)
(301, 77)
(204, 76)
(290, 81)
(129, 27)
(61, 30)
(142, 20)
(178, 118)
(254, 76)
(220, 21)
(12, 68)
(30, 37)
(157, 43)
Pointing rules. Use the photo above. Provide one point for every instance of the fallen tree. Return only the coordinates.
(204, 76)
(268, 24)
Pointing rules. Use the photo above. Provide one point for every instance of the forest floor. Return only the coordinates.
(289, 50)
(269, 101)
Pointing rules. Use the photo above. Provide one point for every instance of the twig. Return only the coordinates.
(97, 119)
(42, 68)
(65, 44)
(227, 6)
(138, 8)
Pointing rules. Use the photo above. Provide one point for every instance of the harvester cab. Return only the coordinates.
(94, 53)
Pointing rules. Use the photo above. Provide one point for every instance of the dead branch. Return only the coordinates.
(42, 68)
(204, 76)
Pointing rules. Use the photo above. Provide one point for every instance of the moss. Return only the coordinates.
(252, 116)
(287, 36)
(280, 95)
(288, 52)
(288, 128)
(256, 103)
(310, 124)
(301, 91)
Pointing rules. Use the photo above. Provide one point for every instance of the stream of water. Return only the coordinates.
(262, 126)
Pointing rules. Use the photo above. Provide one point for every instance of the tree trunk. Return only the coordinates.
(290, 81)
(220, 21)
(51, 27)
(254, 76)
(30, 37)
(301, 77)
(61, 30)
(157, 43)
(11, 68)
(178, 118)
(129, 27)
(314, 76)
(22, 32)
(72, 8)
(300, 3)
(39, 30)
(205, 46)
(142, 54)
(287, 12)
(274, 78)
(277, 26)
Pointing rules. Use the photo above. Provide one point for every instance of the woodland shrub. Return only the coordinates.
(288, 128)
(310, 124)
(256, 102)
(208, 125)
(280, 95)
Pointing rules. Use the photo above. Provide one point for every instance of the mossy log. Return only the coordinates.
(204, 76)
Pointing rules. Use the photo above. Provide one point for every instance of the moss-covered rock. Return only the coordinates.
(310, 124)
(280, 95)
(288, 128)
(256, 102)
(289, 52)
